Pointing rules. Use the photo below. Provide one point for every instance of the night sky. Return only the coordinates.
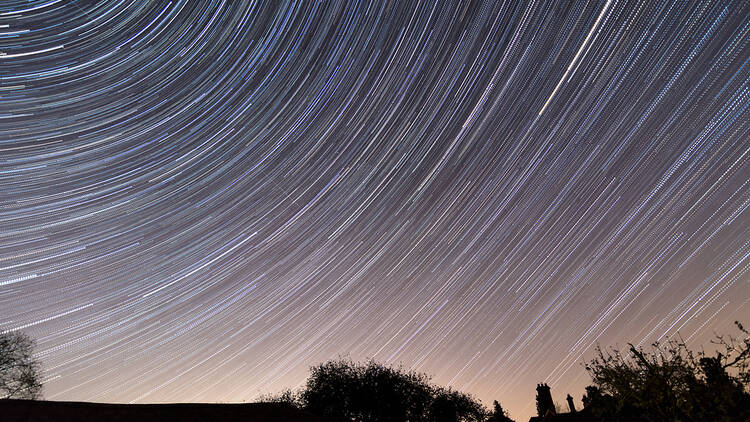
(201, 199)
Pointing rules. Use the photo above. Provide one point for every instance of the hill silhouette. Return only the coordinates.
(54, 411)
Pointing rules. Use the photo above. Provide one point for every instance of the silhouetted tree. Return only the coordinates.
(499, 414)
(341, 390)
(593, 395)
(454, 406)
(672, 383)
(287, 396)
(20, 376)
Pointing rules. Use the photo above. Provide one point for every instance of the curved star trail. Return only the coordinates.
(199, 200)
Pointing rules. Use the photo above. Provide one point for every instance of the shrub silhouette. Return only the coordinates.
(19, 371)
(286, 396)
(341, 390)
(498, 414)
(454, 406)
(672, 383)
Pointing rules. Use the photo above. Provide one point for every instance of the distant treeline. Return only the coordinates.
(341, 390)
(667, 382)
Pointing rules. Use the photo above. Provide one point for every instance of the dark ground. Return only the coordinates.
(54, 411)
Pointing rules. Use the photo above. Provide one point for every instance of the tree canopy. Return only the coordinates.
(20, 372)
(498, 414)
(342, 390)
(670, 382)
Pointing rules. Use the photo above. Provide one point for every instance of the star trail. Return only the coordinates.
(201, 199)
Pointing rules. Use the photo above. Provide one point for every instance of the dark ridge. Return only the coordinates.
(60, 411)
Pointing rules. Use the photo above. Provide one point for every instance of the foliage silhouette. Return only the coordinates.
(498, 414)
(454, 406)
(672, 383)
(287, 396)
(341, 390)
(20, 372)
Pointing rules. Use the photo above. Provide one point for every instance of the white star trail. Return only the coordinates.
(200, 200)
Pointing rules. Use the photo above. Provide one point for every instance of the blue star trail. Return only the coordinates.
(200, 200)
